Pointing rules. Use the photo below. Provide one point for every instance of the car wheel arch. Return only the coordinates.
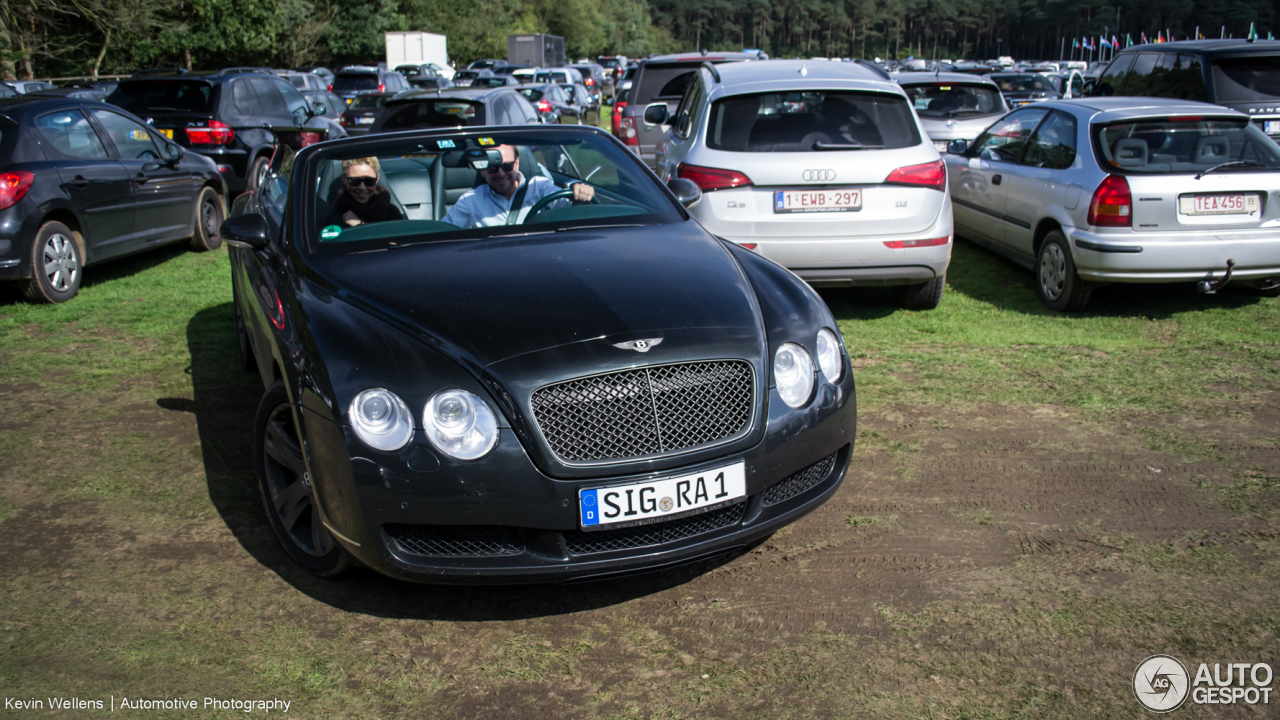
(67, 217)
(1045, 226)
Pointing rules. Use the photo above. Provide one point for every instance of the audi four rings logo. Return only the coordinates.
(818, 175)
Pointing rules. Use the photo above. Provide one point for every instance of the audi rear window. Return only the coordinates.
(141, 97)
(811, 121)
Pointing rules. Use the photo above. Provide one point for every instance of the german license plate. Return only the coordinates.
(364, 120)
(167, 132)
(1273, 127)
(1235, 204)
(801, 201)
(659, 500)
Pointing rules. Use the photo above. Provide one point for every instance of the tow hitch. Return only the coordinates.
(1209, 287)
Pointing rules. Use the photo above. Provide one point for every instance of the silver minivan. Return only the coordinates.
(952, 105)
(822, 167)
(1123, 189)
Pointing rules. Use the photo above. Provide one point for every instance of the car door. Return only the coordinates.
(1039, 181)
(97, 183)
(978, 192)
(164, 192)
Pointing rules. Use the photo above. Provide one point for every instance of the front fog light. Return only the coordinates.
(381, 419)
(829, 356)
(460, 424)
(793, 374)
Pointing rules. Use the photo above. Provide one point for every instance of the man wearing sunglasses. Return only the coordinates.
(491, 203)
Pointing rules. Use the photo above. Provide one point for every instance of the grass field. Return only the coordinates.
(974, 578)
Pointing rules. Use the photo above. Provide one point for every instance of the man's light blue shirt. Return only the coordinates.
(482, 207)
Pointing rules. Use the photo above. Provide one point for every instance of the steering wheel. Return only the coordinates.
(544, 202)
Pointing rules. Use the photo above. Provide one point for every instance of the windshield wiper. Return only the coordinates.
(844, 146)
(958, 113)
(1233, 163)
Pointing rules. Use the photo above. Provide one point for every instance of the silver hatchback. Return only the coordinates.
(822, 167)
(1122, 189)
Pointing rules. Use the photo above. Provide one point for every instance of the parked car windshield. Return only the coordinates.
(417, 172)
(533, 95)
(808, 121)
(1247, 78)
(1192, 145)
(945, 100)
(434, 113)
(1025, 83)
(151, 96)
(355, 81)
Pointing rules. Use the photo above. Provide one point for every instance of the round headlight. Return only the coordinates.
(381, 419)
(460, 424)
(793, 373)
(829, 356)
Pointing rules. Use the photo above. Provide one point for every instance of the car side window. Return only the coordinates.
(293, 100)
(1004, 141)
(526, 110)
(1077, 85)
(245, 99)
(1054, 144)
(71, 134)
(271, 99)
(684, 111)
(1113, 79)
(499, 112)
(132, 139)
(1137, 82)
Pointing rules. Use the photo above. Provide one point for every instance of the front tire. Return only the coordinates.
(924, 296)
(257, 173)
(287, 492)
(1059, 286)
(56, 265)
(208, 221)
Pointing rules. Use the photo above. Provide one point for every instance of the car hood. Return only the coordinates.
(483, 302)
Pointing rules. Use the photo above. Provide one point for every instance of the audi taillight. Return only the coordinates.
(218, 133)
(931, 175)
(712, 178)
(1112, 204)
(14, 186)
(627, 128)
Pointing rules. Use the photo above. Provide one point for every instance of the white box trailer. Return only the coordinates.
(418, 48)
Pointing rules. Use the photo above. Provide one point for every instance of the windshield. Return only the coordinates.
(1185, 145)
(466, 75)
(362, 81)
(151, 96)
(1025, 83)
(811, 121)
(947, 100)
(409, 70)
(429, 189)
(1246, 78)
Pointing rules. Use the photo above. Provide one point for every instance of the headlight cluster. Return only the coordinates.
(793, 370)
(458, 423)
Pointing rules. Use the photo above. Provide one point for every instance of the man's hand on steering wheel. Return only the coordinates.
(583, 193)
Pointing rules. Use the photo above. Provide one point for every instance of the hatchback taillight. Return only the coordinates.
(627, 127)
(711, 178)
(931, 175)
(1112, 204)
(331, 88)
(218, 133)
(14, 186)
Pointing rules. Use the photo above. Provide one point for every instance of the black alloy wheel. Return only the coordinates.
(287, 490)
(208, 221)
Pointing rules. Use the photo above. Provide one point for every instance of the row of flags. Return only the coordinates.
(1088, 43)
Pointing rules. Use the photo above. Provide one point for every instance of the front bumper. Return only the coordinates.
(1175, 257)
(413, 517)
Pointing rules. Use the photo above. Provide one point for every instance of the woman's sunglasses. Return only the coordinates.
(357, 181)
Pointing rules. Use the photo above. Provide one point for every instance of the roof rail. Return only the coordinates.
(715, 74)
(874, 67)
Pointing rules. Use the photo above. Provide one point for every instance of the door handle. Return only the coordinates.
(79, 183)
(140, 178)
(995, 179)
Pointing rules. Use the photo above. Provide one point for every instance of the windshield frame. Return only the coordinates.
(304, 199)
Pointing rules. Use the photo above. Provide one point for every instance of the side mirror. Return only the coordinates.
(957, 146)
(685, 190)
(319, 108)
(248, 231)
(656, 114)
(172, 153)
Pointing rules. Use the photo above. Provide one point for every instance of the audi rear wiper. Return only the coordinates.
(1233, 163)
(844, 146)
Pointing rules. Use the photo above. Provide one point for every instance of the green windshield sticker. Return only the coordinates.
(331, 232)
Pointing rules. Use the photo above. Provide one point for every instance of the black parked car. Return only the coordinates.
(588, 105)
(456, 107)
(464, 78)
(594, 390)
(1238, 74)
(553, 103)
(83, 182)
(360, 114)
(222, 116)
(360, 79)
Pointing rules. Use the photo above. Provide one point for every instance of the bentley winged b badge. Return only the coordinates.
(638, 345)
